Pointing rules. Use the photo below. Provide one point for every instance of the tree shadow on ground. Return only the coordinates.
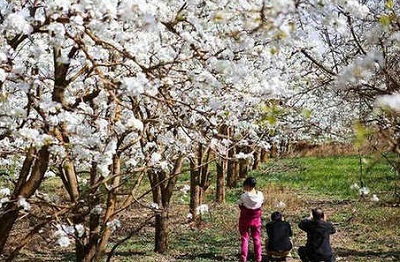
(208, 256)
(128, 253)
(343, 252)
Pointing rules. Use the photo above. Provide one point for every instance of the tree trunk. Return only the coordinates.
(86, 250)
(111, 207)
(194, 191)
(72, 182)
(263, 155)
(256, 156)
(161, 231)
(205, 174)
(220, 190)
(199, 179)
(25, 189)
(8, 218)
(232, 171)
(273, 151)
(165, 185)
(243, 168)
(155, 187)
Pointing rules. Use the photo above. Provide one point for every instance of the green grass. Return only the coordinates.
(330, 176)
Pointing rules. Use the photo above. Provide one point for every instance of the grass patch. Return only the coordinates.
(330, 176)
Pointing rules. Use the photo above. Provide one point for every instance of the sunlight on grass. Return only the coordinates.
(330, 176)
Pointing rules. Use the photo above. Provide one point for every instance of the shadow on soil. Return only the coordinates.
(342, 252)
(208, 256)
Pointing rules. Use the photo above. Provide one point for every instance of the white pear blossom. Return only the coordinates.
(391, 102)
(202, 209)
(364, 191)
(57, 29)
(114, 224)
(280, 205)
(82, 180)
(23, 203)
(64, 241)
(3, 200)
(355, 8)
(29, 134)
(62, 236)
(3, 57)
(135, 123)
(155, 158)
(80, 230)
(3, 75)
(184, 74)
(97, 210)
(374, 198)
(17, 23)
(132, 162)
(135, 85)
(18, 112)
(185, 189)
(164, 165)
(68, 229)
(355, 186)
(5, 191)
(242, 155)
(154, 206)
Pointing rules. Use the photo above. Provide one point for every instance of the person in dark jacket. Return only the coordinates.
(318, 247)
(279, 233)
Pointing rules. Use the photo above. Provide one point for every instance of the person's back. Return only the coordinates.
(318, 247)
(279, 233)
(250, 203)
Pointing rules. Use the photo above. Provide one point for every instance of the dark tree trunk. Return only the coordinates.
(161, 231)
(231, 169)
(263, 155)
(156, 187)
(194, 191)
(165, 185)
(273, 151)
(86, 246)
(243, 168)
(204, 173)
(256, 156)
(199, 179)
(220, 190)
(25, 187)
(8, 218)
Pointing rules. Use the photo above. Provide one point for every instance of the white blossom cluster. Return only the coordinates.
(64, 233)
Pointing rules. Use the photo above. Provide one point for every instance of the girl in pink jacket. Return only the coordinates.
(250, 203)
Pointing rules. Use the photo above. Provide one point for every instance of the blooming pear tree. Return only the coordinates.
(348, 55)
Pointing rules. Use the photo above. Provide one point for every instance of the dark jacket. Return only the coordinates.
(279, 233)
(318, 243)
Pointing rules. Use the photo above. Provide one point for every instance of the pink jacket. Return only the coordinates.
(250, 217)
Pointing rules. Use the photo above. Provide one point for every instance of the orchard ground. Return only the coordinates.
(366, 230)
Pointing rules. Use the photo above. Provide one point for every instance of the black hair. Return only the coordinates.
(317, 213)
(250, 181)
(276, 216)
